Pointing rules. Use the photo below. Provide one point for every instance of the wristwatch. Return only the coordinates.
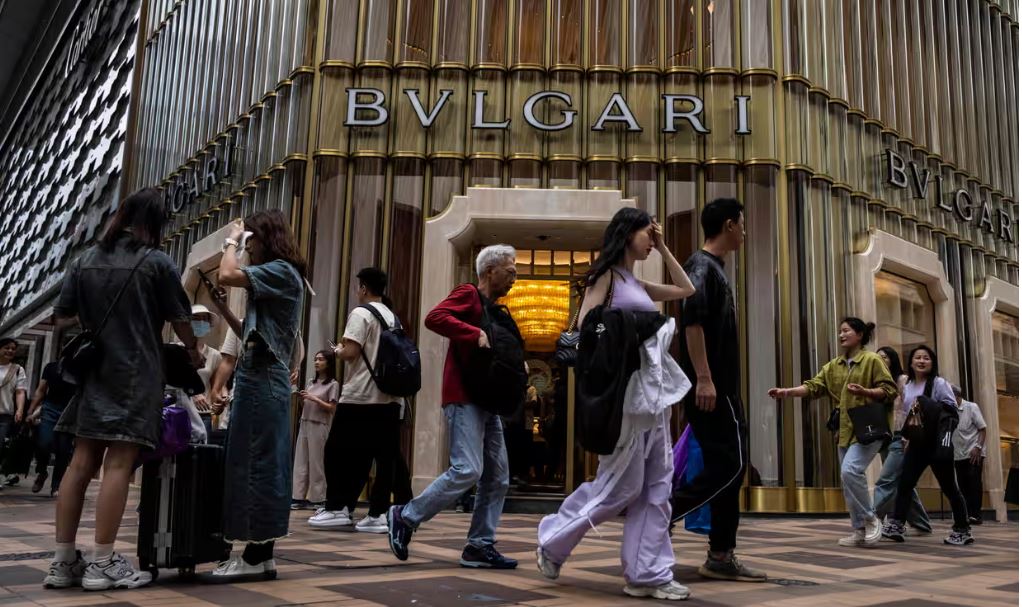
(227, 243)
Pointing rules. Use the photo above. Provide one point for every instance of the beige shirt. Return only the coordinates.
(363, 329)
(9, 387)
(313, 411)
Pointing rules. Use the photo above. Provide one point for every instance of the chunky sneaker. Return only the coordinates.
(298, 504)
(894, 530)
(671, 591)
(372, 524)
(40, 480)
(548, 568)
(115, 573)
(959, 538)
(325, 519)
(399, 533)
(236, 569)
(730, 568)
(65, 575)
(856, 539)
(485, 557)
(975, 520)
(874, 531)
(12, 480)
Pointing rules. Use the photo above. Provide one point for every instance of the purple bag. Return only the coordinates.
(681, 457)
(175, 432)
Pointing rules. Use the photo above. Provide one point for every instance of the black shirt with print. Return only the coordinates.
(712, 307)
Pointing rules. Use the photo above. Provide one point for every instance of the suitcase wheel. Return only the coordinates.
(186, 572)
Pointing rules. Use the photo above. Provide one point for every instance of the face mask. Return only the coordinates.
(201, 328)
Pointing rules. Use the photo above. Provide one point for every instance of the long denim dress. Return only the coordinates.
(257, 493)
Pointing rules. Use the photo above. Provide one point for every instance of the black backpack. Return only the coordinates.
(495, 377)
(398, 370)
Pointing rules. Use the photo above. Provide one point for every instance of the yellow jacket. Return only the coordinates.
(866, 369)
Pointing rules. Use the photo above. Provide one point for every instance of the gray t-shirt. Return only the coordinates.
(966, 436)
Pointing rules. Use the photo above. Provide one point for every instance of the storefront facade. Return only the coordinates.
(873, 144)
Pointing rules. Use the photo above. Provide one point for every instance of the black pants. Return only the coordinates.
(361, 434)
(918, 457)
(257, 553)
(970, 481)
(723, 437)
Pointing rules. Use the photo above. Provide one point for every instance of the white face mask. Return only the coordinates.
(201, 328)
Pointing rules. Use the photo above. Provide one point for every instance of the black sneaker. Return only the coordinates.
(399, 533)
(486, 557)
(40, 480)
(730, 568)
(894, 530)
(975, 520)
(959, 538)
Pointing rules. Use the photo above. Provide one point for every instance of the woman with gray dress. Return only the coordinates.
(126, 280)
(257, 492)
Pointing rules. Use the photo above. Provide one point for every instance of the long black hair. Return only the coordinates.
(895, 361)
(934, 371)
(331, 366)
(616, 239)
(141, 216)
(863, 328)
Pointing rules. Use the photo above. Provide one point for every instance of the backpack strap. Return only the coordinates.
(383, 323)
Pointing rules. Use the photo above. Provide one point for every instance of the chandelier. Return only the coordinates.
(540, 308)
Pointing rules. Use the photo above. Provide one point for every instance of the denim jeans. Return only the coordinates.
(887, 488)
(6, 427)
(50, 441)
(855, 458)
(478, 458)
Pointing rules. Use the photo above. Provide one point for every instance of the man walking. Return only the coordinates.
(970, 449)
(477, 451)
(710, 357)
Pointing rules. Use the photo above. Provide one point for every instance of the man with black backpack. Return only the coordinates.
(484, 378)
(381, 366)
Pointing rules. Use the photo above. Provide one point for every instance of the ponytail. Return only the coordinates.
(863, 328)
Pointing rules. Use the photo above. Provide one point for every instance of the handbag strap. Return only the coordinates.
(120, 292)
(12, 372)
(573, 325)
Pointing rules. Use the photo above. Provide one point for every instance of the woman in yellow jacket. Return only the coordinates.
(851, 380)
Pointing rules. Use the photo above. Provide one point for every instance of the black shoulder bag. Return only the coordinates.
(83, 353)
(567, 343)
(869, 422)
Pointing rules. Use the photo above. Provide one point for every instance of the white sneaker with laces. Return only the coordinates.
(330, 518)
(236, 567)
(115, 573)
(548, 568)
(873, 531)
(856, 539)
(66, 575)
(372, 524)
(671, 591)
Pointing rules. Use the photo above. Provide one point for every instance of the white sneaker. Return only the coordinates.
(236, 568)
(372, 524)
(548, 568)
(671, 591)
(873, 531)
(330, 518)
(856, 539)
(115, 573)
(65, 575)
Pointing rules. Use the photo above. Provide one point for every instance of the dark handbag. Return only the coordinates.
(869, 422)
(83, 353)
(495, 377)
(914, 428)
(834, 421)
(567, 343)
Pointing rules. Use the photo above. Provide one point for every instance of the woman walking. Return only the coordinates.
(851, 380)
(125, 280)
(637, 475)
(51, 398)
(257, 492)
(320, 401)
(933, 394)
(893, 456)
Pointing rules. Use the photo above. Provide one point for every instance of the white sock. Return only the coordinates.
(65, 553)
(102, 553)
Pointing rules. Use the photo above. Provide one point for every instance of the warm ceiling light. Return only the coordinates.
(540, 308)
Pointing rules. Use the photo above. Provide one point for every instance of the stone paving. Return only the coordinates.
(322, 568)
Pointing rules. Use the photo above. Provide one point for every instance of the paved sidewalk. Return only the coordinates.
(353, 570)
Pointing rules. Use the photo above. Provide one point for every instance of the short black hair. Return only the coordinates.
(374, 279)
(717, 213)
(6, 341)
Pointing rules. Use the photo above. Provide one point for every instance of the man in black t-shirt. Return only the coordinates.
(51, 397)
(710, 357)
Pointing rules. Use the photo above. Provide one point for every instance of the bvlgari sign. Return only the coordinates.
(902, 174)
(367, 108)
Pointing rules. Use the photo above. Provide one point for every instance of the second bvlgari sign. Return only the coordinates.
(367, 107)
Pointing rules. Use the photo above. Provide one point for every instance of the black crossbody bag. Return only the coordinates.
(84, 353)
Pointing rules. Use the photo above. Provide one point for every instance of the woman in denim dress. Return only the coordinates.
(257, 492)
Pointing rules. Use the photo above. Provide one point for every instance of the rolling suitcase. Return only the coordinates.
(180, 523)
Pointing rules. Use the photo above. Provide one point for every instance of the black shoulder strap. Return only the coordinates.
(120, 292)
(379, 317)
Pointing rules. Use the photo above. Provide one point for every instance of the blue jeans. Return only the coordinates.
(855, 458)
(50, 441)
(478, 458)
(887, 488)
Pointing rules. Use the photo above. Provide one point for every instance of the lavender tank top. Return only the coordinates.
(629, 294)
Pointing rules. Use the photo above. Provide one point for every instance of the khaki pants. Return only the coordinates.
(309, 478)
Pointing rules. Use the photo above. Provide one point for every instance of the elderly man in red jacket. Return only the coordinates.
(478, 455)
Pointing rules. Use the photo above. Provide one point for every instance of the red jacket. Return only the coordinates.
(457, 318)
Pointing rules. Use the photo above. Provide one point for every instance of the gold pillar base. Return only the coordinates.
(768, 499)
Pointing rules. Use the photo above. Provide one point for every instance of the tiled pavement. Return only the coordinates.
(354, 570)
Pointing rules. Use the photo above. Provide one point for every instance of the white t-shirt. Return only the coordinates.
(363, 329)
(10, 386)
(966, 437)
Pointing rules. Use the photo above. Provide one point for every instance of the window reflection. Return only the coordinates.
(904, 313)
